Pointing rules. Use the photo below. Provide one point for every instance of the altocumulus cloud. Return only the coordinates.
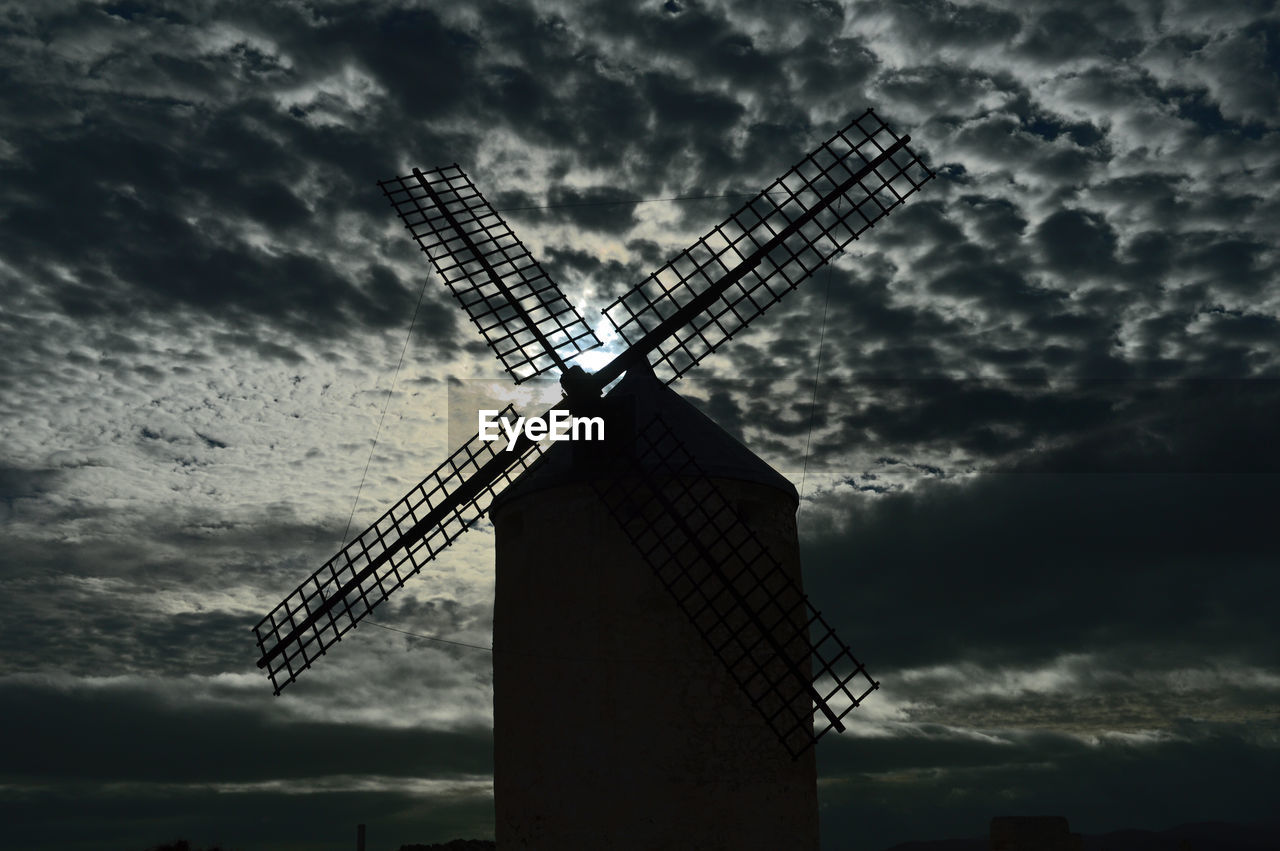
(1037, 466)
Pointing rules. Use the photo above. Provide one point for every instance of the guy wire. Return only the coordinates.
(817, 371)
(378, 432)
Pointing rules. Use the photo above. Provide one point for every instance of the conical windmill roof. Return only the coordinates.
(718, 453)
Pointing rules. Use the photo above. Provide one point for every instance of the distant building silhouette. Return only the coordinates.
(1033, 833)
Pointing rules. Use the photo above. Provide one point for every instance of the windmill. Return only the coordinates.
(799, 677)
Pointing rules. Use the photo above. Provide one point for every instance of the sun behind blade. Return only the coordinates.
(409, 535)
(775, 241)
(523, 315)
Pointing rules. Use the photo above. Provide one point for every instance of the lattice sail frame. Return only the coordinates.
(352, 583)
(737, 595)
(761, 252)
(797, 192)
(521, 312)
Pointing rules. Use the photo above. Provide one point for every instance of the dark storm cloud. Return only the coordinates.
(586, 264)
(165, 603)
(80, 636)
(1051, 299)
(179, 176)
(1172, 567)
(439, 616)
(936, 747)
(1231, 264)
(149, 201)
(600, 208)
(1012, 139)
(1206, 773)
(134, 731)
(428, 66)
(1121, 692)
(993, 286)
(604, 113)
(830, 67)
(1121, 426)
(714, 46)
(1077, 242)
(139, 766)
(148, 815)
(601, 112)
(944, 88)
(20, 484)
(1060, 35)
(995, 500)
(938, 23)
(89, 609)
(684, 112)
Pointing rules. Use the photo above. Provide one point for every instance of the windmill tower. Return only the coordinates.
(649, 589)
(615, 726)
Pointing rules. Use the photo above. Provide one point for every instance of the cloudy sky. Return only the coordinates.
(1040, 465)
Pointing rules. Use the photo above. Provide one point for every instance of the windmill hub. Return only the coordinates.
(579, 385)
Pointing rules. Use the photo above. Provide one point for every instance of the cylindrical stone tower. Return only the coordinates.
(615, 726)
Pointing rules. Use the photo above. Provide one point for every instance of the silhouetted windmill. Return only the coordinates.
(743, 599)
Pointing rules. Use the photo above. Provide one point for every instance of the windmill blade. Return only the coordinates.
(523, 315)
(364, 572)
(710, 291)
(784, 656)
